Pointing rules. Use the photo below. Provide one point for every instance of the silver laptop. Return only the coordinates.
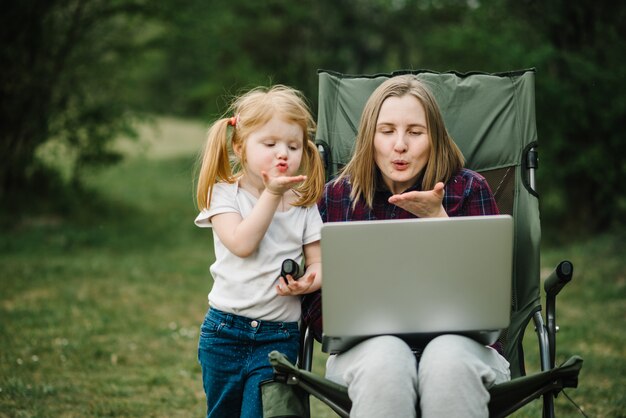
(416, 278)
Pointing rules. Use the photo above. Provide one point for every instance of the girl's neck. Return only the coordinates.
(253, 187)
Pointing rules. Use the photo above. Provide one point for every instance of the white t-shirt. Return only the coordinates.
(246, 286)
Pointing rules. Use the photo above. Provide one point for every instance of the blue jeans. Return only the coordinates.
(233, 353)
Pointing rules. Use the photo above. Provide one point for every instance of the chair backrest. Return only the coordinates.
(492, 119)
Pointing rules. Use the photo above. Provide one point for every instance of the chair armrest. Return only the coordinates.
(561, 275)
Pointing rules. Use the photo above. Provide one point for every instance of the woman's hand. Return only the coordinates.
(295, 287)
(425, 204)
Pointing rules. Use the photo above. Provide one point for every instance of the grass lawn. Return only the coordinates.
(100, 310)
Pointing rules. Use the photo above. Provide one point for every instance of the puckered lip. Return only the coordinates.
(282, 167)
(400, 163)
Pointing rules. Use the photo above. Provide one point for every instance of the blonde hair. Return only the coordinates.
(445, 156)
(251, 111)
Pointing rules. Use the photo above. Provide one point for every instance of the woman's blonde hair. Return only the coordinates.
(249, 112)
(445, 156)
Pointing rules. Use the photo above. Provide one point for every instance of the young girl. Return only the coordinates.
(262, 211)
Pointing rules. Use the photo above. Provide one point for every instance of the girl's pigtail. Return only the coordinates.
(215, 165)
(311, 190)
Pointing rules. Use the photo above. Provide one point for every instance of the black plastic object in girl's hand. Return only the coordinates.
(292, 268)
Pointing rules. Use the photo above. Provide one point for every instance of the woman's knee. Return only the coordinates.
(454, 358)
(386, 360)
(387, 371)
(445, 356)
(387, 352)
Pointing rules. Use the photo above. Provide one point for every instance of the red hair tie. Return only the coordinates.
(233, 121)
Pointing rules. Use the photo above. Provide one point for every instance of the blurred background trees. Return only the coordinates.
(76, 72)
(63, 63)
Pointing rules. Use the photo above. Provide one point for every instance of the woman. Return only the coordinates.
(406, 165)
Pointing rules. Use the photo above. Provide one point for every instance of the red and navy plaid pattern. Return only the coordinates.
(466, 194)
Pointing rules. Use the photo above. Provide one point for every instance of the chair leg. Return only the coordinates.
(548, 405)
(542, 337)
(306, 350)
(306, 362)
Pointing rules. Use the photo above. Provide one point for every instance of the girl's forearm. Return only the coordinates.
(251, 230)
(317, 282)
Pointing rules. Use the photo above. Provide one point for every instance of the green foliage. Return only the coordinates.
(581, 102)
(209, 51)
(76, 69)
(63, 64)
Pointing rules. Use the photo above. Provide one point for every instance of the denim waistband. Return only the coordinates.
(250, 324)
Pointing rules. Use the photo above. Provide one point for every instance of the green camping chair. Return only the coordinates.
(492, 119)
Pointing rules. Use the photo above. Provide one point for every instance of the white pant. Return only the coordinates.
(453, 379)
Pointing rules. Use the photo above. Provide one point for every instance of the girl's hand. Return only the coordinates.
(426, 204)
(280, 184)
(295, 287)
